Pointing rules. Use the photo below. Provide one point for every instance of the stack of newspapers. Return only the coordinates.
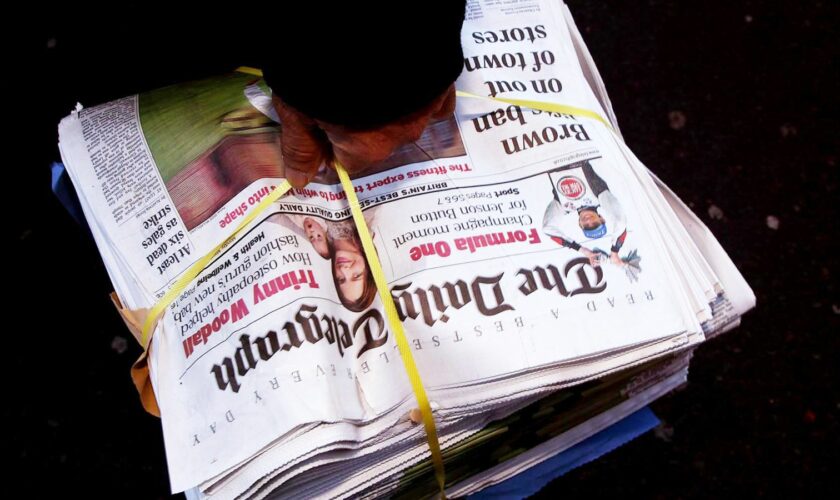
(548, 283)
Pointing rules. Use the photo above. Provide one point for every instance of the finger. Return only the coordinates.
(358, 150)
(411, 131)
(303, 146)
(357, 158)
(447, 107)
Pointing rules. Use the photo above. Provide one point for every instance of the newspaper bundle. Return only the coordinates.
(527, 251)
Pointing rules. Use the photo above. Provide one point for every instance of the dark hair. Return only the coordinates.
(369, 289)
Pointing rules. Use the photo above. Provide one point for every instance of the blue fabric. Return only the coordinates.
(534, 479)
(595, 233)
(63, 189)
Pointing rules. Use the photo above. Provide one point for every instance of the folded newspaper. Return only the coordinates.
(548, 283)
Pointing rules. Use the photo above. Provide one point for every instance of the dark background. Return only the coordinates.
(733, 104)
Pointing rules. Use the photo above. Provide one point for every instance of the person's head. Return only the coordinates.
(591, 222)
(317, 235)
(351, 274)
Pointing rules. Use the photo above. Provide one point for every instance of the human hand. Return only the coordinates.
(308, 142)
(594, 261)
(615, 259)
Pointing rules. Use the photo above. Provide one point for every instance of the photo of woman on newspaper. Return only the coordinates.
(351, 273)
(584, 213)
(314, 229)
(338, 242)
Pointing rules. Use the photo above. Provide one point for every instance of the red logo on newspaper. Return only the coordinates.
(571, 187)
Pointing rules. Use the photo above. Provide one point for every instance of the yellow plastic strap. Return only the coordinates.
(192, 272)
(396, 325)
(542, 106)
(249, 70)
